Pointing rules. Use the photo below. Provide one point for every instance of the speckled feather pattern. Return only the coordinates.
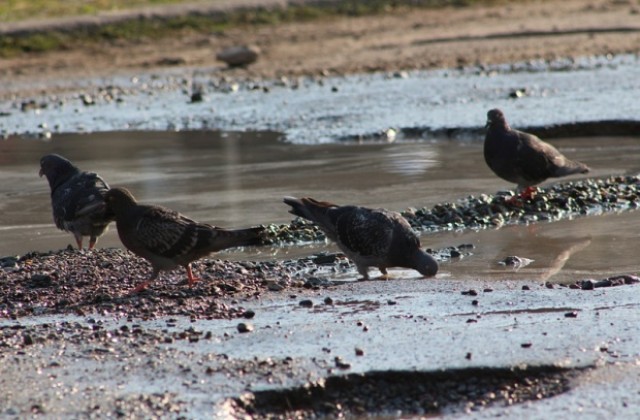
(77, 198)
(169, 234)
(364, 231)
(168, 239)
(71, 200)
(370, 237)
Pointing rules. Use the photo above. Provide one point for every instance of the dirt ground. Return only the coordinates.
(398, 40)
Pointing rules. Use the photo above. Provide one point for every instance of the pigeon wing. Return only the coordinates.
(365, 232)
(167, 233)
(536, 158)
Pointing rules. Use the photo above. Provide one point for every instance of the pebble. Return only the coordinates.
(239, 56)
(244, 327)
(341, 364)
(306, 303)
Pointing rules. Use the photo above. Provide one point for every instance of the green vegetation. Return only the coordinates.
(136, 29)
(16, 10)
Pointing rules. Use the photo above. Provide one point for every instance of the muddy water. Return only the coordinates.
(238, 179)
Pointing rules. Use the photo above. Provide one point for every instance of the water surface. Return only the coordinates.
(237, 179)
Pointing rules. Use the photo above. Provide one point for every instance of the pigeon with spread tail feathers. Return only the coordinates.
(369, 237)
(523, 158)
(77, 199)
(166, 238)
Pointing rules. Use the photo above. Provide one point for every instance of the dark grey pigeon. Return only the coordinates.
(166, 238)
(369, 237)
(77, 199)
(523, 158)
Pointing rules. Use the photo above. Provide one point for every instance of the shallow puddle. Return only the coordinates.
(237, 179)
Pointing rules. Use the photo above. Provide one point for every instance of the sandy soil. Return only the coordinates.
(403, 39)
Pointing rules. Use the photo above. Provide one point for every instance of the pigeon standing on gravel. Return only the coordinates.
(166, 238)
(523, 158)
(369, 237)
(77, 199)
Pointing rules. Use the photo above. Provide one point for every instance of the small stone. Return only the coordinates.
(87, 99)
(248, 314)
(526, 345)
(359, 351)
(27, 340)
(400, 74)
(38, 281)
(470, 292)
(525, 287)
(515, 261)
(474, 302)
(274, 286)
(587, 285)
(341, 364)
(572, 314)
(196, 96)
(518, 93)
(328, 301)
(468, 356)
(239, 56)
(244, 328)
(324, 259)
(306, 303)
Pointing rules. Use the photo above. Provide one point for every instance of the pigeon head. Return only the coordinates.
(495, 119)
(119, 200)
(425, 264)
(57, 169)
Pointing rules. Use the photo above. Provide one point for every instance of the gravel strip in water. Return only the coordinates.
(560, 201)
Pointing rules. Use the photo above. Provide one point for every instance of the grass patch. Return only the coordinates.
(141, 29)
(16, 10)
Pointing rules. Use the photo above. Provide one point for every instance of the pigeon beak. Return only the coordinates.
(41, 172)
(487, 124)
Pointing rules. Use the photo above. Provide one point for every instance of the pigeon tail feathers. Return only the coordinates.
(312, 210)
(571, 167)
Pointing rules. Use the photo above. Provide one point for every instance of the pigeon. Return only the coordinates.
(166, 238)
(369, 237)
(523, 158)
(77, 199)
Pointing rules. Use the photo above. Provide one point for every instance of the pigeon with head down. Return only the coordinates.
(166, 238)
(369, 237)
(77, 199)
(523, 158)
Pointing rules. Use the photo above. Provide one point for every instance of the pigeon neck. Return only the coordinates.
(500, 125)
(61, 176)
